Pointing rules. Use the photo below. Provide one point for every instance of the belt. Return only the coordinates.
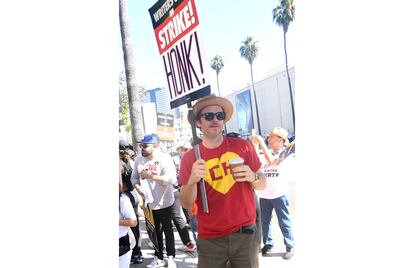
(248, 229)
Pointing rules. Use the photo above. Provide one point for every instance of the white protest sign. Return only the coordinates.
(175, 25)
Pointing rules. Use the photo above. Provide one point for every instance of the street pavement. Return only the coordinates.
(189, 259)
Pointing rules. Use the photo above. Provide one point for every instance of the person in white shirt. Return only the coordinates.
(276, 193)
(127, 218)
(156, 171)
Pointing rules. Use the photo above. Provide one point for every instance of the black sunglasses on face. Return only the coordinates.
(143, 145)
(210, 116)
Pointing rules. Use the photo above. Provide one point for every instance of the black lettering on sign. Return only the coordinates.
(169, 72)
(272, 175)
(199, 57)
(181, 68)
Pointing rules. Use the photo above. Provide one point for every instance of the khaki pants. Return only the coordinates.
(239, 249)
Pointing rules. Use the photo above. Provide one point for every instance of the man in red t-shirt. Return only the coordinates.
(228, 232)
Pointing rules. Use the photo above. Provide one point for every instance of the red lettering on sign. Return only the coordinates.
(183, 19)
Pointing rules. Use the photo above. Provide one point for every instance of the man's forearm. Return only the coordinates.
(188, 195)
(261, 183)
(266, 152)
(128, 222)
(157, 178)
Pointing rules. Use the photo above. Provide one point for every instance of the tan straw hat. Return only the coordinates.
(213, 100)
(281, 132)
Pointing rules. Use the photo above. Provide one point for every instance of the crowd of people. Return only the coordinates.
(224, 235)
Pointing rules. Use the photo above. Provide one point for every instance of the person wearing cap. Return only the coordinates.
(157, 170)
(227, 233)
(277, 140)
(276, 194)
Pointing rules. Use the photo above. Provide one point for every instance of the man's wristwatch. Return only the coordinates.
(256, 178)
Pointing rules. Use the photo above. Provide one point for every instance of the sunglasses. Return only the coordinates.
(143, 145)
(210, 116)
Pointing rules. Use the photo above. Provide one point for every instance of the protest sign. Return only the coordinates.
(176, 28)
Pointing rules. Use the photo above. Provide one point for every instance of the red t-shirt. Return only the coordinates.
(231, 204)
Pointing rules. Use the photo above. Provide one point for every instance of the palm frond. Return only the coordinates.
(284, 13)
(249, 49)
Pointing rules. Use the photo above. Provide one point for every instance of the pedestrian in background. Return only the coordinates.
(193, 221)
(158, 170)
(180, 223)
(127, 219)
(191, 215)
(181, 150)
(128, 189)
(275, 196)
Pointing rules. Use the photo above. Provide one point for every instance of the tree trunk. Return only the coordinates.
(129, 63)
(218, 89)
(255, 100)
(290, 85)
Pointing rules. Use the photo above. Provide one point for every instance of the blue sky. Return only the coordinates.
(223, 25)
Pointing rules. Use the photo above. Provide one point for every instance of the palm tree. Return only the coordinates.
(217, 63)
(283, 15)
(249, 51)
(129, 63)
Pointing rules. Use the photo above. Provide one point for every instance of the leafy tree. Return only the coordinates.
(124, 103)
(131, 82)
(249, 51)
(283, 15)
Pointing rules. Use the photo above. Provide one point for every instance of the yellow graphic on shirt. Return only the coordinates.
(218, 173)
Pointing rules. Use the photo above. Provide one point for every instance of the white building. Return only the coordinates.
(273, 101)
